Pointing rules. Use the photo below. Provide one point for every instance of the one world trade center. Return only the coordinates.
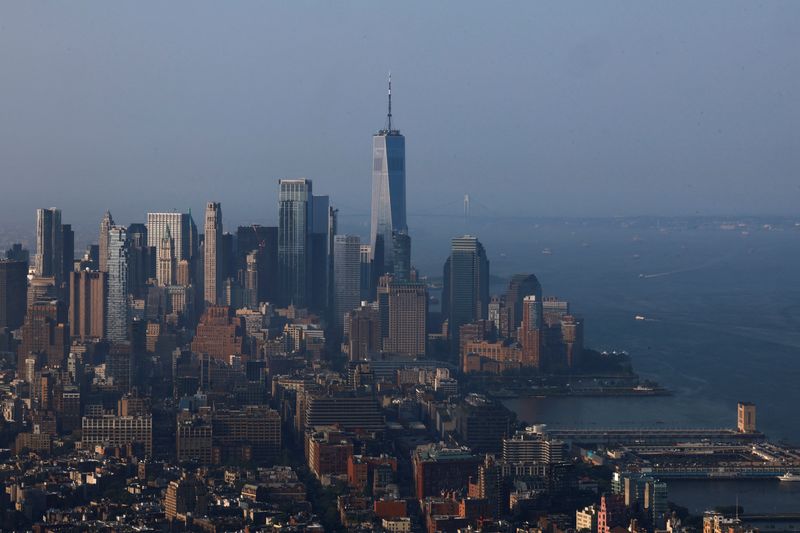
(388, 230)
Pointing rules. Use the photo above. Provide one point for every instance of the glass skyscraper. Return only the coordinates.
(466, 284)
(117, 296)
(294, 254)
(388, 192)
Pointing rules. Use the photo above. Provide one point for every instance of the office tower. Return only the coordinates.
(388, 191)
(367, 286)
(166, 260)
(746, 417)
(139, 259)
(13, 293)
(120, 366)
(219, 334)
(346, 276)
(482, 423)
(408, 309)
(438, 469)
(68, 243)
(41, 289)
(105, 225)
(49, 245)
(364, 335)
(182, 231)
(117, 431)
(18, 253)
(466, 285)
(253, 430)
(87, 304)
(45, 336)
(520, 286)
(294, 253)
(351, 412)
(263, 239)
(530, 332)
(320, 246)
(212, 245)
(117, 298)
(251, 275)
(401, 253)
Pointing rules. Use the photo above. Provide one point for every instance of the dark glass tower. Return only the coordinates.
(388, 192)
(466, 284)
(294, 250)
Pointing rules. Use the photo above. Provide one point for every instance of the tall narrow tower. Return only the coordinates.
(294, 251)
(388, 192)
(102, 241)
(117, 296)
(213, 237)
(49, 259)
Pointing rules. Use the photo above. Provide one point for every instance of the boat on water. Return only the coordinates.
(547, 251)
(788, 476)
(639, 317)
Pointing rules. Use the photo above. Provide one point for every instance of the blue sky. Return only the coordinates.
(562, 108)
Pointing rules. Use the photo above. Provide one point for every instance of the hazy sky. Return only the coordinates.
(559, 108)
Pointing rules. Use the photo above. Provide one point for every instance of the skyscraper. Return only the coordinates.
(401, 253)
(49, 245)
(13, 293)
(321, 246)
(346, 276)
(520, 286)
(68, 250)
(251, 275)
(165, 272)
(105, 224)
(211, 264)
(117, 297)
(181, 229)
(388, 192)
(466, 284)
(408, 308)
(530, 332)
(87, 307)
(139, 259)
(294, 251)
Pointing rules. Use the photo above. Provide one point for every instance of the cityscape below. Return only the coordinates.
(183, 375)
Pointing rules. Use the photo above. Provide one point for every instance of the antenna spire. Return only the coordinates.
(389, 116)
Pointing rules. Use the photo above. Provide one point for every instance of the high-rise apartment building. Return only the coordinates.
(388, 192)
(251, 279)
(346, 276)
(105, 224)
(49, 244)
(87, 304)
(212, 264)
(466, 283)
(13, 293)
(294, 250)
(117, 309)
(530, 332)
